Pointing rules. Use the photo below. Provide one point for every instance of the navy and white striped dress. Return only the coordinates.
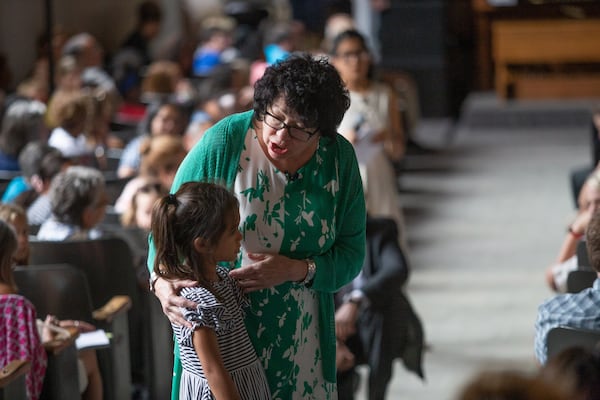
(227, 319)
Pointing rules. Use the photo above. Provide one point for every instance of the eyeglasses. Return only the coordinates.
(360, 55)
(295, 132)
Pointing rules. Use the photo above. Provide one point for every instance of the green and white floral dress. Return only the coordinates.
(320, 215)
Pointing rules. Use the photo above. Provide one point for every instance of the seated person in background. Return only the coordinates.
(22, 122)
(69, 136)
(589, 202)
(161, 119)
(22, 326)
(374, 318)
(509, 385)
(16, 217)
(576, 310)
(78, 198)
(216, 47)
(161, 156)
(89, 55)
(577, 369)
(90, 379)
(68, 81)
(164, 81)
(139, 213)
(23, 190)
(40, 208)
(373, 125)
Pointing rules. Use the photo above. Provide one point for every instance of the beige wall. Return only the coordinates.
(22, 21)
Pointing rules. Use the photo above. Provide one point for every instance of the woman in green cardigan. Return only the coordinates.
(302, 220)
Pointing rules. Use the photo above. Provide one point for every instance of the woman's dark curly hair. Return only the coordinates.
(310, 87)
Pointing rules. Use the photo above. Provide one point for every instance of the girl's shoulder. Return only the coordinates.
(200, 295)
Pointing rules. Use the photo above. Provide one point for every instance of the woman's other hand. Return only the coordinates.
(268, 270)
(170, 300)
(345, 320)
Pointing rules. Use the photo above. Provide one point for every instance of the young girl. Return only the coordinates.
(193, 230)
(139, 213)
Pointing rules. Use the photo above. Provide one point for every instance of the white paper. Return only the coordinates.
(94, 339)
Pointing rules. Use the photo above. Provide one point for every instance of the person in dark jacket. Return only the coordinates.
(374, 319)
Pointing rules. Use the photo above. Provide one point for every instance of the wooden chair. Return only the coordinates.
(12, 380)
(580, 279)
(62, 290)
(561, 338)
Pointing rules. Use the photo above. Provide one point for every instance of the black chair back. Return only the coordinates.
(579, 280)
(58, 289)
(562, 338)
(583, 258)
(107, 263)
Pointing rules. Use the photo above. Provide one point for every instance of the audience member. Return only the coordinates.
(212, 109)
(68, 81)
(279, 42)
(90, 380)
(575, 310)
(90, 57)
(374, 318)
(567, 261)
(509, 385)
(23, 189)
(16, 217)
(78, 198)
(50, 162)
(579, 175)
(162, 82)
(69, 136)
(149, 17)
(22, 122)
(215, 45)
(129, 63)
(372, 124)
(17, 319)
(161, 156)
(162, 119)
(577, 370)
(139, 213)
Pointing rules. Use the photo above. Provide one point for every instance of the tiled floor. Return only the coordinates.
(485, 217)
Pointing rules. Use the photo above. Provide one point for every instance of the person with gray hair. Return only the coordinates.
(22, 122)
(79, 199)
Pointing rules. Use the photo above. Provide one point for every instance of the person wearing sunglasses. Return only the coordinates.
(302, 220)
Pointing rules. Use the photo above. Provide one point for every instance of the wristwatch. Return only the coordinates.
(310, 272)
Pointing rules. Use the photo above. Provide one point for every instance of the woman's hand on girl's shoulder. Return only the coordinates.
(170, 300)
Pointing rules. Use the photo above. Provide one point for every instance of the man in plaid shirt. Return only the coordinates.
(576, 310)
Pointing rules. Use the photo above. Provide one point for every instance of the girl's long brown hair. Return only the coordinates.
(198, 209)
(8, 247)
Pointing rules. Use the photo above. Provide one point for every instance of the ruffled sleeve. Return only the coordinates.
(210, 313)
(241, 298)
